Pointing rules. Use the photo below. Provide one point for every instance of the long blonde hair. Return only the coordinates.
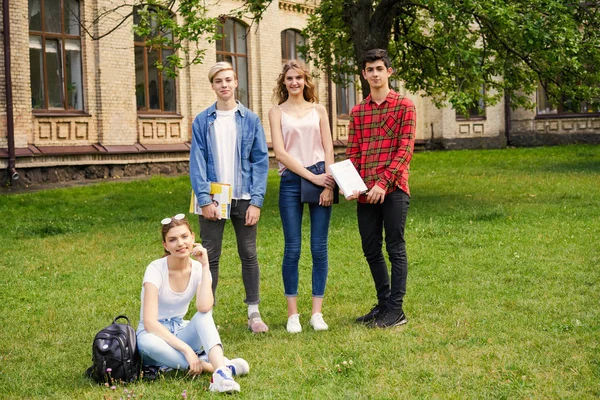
(280, 93)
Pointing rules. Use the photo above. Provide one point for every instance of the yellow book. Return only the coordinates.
(221, 194)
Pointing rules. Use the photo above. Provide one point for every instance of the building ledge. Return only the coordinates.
(137, 148)
(567, 115)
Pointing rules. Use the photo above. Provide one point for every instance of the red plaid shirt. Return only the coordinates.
(381, 140)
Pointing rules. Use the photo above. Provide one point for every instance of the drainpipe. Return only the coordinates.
(13, 175)
(329, 100)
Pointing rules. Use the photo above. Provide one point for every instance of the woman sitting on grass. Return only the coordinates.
(164, 338)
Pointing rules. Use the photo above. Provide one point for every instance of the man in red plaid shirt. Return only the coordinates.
(380, 145)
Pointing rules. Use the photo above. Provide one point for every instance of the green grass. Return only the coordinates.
(503, 291)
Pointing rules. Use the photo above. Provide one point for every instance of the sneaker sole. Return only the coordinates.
(213, 388)
(318, 329)
(401, 322)
(365, 322)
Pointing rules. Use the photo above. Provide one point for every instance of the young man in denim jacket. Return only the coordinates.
(229, 146)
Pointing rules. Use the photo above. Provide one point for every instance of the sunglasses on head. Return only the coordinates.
(168, 220)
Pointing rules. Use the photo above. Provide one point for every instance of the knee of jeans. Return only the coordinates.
(293, 244)
(399, 250)
(146, 342)
(247, 253)
(375, 256)
(320, 261)
(319, 248)
(292, 251)
(201, 316)
(291, 259)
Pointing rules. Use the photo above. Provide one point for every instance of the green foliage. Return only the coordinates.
(330, 46)
(502, 295)
(449, 50)
(182, 26)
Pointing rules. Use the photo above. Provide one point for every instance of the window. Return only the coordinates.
(55, 55)
(477, 108)
(345, 97)
(232, 48)
(397, 85)
(545, 106)
(290, 41)
(154, 91)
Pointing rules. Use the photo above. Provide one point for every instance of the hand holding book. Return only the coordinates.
(348, 179)
(221, 194)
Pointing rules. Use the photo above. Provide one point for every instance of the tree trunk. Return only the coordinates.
(369, 28)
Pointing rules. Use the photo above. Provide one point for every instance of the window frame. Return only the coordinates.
(61, 37)
(284, 41)
(474, 112)
(221, 55)
(140, 43)
(559, 110)
(341, 90)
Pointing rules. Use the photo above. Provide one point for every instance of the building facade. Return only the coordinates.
(85, 108)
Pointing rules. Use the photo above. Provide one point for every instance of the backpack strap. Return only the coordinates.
(121, 317)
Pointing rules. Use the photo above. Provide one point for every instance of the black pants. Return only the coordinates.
(211, 233)
(373, 219)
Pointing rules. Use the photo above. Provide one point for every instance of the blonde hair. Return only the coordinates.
(218, 67)
(280, 93)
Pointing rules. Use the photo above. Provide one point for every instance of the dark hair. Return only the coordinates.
(375, 55)
(167, 227)
(280, 93)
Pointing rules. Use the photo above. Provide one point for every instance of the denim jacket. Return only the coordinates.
(252, 157)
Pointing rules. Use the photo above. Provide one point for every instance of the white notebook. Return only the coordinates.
(347, 177)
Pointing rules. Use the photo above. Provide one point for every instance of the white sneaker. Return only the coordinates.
(293, 324)
(238, 366)
(317, 322)
(222, 382)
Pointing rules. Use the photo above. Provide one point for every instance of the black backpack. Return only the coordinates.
(114, 354)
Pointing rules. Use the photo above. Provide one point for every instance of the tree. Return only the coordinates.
(448, 50)
(182, 25)
(445, 49)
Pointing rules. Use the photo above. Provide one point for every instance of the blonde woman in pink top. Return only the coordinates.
(304, 149)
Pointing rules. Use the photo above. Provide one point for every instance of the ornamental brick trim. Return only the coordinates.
(307, 7)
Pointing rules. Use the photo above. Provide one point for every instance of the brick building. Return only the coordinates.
(86, 108)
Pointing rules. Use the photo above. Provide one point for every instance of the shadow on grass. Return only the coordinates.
(579, 166)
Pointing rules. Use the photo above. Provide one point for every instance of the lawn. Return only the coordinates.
(503, 291)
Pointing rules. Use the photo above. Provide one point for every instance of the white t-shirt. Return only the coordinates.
(226, 141)
(171, 304)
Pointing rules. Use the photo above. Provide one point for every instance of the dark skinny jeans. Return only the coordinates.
(373, 219)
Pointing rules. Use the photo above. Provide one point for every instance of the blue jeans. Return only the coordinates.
(290, 210)
(373, 219)
(200, 333)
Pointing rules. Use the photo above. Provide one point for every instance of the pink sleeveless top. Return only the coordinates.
(302, 138)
